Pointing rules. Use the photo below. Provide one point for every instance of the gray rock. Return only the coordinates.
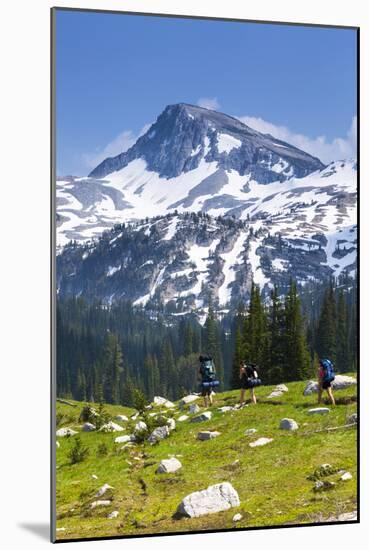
(169, 466)
(319, 410)
(323, 486)
(103, 489)
(275, 393)
(194, 409)
(111, 427)
(125, 439)
(183, 418)
(97, 503)
(346, 476)
(187, 400)
(203, 436)
(237, 517)
(288, 424)
(352, 419)
(215, 498)
(250, 431)
(158, 434)
(140, 427)
(65, 432)
(113, 514)
(281, 387)
(88, 427)
(121, 418)
(171, 423)
(202, 417)
(260, 442)
(162, 402)
(225, 409)
(340, 382)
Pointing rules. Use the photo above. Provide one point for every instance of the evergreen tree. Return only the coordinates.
(111, 362)
(326, 338)
(212, 342)
(276, 328)
(342, 345)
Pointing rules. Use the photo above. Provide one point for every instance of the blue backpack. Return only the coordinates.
(328, 369)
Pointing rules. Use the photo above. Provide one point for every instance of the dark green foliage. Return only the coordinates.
(102, 449)
(78, 452)
(139, 400)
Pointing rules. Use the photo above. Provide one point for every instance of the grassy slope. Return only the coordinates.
(270, 480)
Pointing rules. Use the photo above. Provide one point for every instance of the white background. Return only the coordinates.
(24, 272)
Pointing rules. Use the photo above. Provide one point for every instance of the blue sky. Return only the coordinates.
(116, 73)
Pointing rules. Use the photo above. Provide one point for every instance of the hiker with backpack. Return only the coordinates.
(208, 381)
(325, 378)
(250, 379)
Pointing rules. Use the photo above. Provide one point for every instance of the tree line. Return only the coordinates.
(105, 353)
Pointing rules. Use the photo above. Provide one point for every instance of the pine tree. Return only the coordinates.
(342, 344)
(212, 342)
(326, 338)
(255, 329)
(275, 358)
(111, 362)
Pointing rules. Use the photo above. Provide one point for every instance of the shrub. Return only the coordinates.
(139, 400)
(102, 449)
(79, 452)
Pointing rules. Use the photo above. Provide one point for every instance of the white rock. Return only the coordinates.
(135, 416)
(121, 418)
(202, 417)
(288, 424)
(194, 408)
(65, 432)
(346, 476)
(203, 436)
(169, 466)
(260, 442)
(159, 433)
(225, 409)
(340, 382)
(319, 410)
(88, 427)
(162, 402)
(281, 387)
(124, 439)
(187, 400)
(113, 515)
(140, 426)
(94, 476)
(250, 431)
(215, 498)
(103, 490)
(97, 503)
(111, 427)
(237, 517)
(171, 423)
(275, 393)
(183, 418)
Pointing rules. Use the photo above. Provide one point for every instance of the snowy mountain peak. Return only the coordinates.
(184, 135)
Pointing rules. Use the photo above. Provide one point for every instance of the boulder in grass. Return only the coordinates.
(194, 408)
(111, 427)
(97, 503)
(106, 487)
(113, 514)
(346, 476)
(183, 418)
(162, 402)
(319, 410)
(140, 427)
(88, 427)
(281, 387)
(341, 382)
(124, 439)
(121, 418)
(250, 431)
(204, 436)
(171, 423)
(187, 400)
(169, 466)
(225, 409)
(352, 419)
(158, 434)
(288, 424)
(260, 442)
(237, 517)
(215, 498)
(65, 432)
(275, 393)
(202, 417)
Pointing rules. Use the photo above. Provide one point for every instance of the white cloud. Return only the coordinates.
(209, 103)
(122, 142)
(337, 149)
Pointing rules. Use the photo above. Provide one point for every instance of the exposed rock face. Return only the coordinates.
(169, 466)
(288, 424)
(341, 382)
(215, 498)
